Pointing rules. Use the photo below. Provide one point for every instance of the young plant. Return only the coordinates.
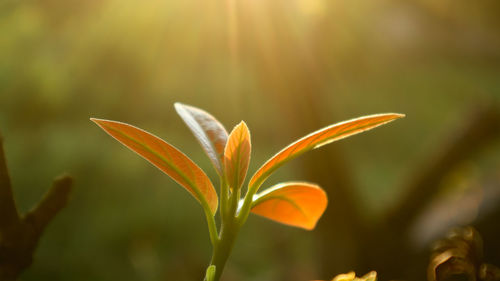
(298, 204)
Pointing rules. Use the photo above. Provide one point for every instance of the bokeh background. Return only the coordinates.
(286, 68)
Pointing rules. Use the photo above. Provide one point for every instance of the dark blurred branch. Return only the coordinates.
(19, 236)
(8, 211)
(298, 85)
(330, 169)
(52, 202)
(478, 130)
(389, 239)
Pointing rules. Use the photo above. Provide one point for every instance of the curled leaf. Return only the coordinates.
(237, 155)
(166, 158)
(209, 132)
(319, 138)
(297, 204)
(459, 254)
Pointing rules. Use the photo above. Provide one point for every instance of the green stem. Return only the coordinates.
(223, 249)
(212, 228)
(229, 230)
(247, 205)
(235, 198)
(223, 198)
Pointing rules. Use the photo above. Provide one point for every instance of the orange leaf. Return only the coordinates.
(294, 203)
(166, 158)
(237, 155)
(319, 138)
(209, 132)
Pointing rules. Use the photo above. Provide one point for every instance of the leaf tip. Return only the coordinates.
(242, 130)
(241, 124)
(96, 120)
(244, 127)
(103, 123)
(310, 227)
(178, 105)
(389, 116)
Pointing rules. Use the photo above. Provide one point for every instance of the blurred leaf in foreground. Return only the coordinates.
(351, 276)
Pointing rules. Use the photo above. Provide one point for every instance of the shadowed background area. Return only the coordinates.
(285, 67)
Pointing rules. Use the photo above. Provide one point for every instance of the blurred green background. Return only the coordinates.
(285, 67)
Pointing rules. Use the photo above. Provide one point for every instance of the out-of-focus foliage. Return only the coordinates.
(351, 276)
(460, 257)
(64, 61)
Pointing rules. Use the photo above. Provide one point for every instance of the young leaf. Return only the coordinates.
(294, 203)
(209, 132)
(317, 139)
(237, 155)
(166, 158)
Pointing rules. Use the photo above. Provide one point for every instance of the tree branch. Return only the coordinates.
(19, 236)
(8, 210)
(52, 202)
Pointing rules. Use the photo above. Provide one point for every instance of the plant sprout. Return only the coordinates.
(298, 204)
